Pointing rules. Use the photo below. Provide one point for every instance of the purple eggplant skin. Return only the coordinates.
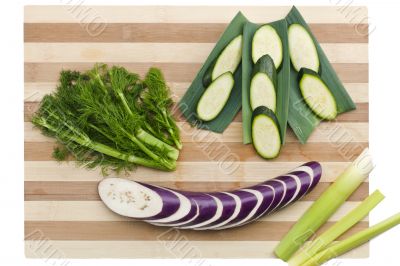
(248, 203)
(171, 202)
(229, 206)
(194, 210)
(206, 204)
(275, 194)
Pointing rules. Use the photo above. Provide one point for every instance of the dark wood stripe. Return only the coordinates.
(171, 32)
(87, 190)
(96, 230)
(217, 151)
(358, 115)
(174, 72)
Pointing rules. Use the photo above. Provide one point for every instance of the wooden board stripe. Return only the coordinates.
(61, 200)
(161, 52)
(189, 14)
(34, 91)
(131, 230)
(216, 151)
(326, 132)
(210, 172)
(171, 32)
(97, 211)
(87, 191)
(178, 247)
(358, 115)
(173, 72)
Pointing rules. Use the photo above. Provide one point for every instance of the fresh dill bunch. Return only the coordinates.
(158, 102)
(60, 153)
(54, 121)
(100, 119)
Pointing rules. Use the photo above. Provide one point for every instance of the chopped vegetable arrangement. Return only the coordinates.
(108, 117)
(279, 75)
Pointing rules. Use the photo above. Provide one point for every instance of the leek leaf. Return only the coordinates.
(301, 119)
(189, 101)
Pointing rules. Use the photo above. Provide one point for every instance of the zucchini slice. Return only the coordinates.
(317, 95)
(265, 133)
(302, 50)
(263, 84)
(267, 41)
(215, 97)
(227, 61)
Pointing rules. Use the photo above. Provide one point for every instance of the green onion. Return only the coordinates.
(353, 241)
(188, 103)
(301, 119)
(327, 204)
(344, 224)
(282, 97)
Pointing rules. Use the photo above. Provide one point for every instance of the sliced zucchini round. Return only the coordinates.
(215, 97)
(267, 41)
(302, 50)
(265, 133)
(263, 84)
(227, 61)
(317, 95)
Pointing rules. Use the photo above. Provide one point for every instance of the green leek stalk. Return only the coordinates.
(327, 204)
(353, 241)
(336, 230)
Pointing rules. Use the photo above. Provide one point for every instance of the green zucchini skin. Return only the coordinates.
(265, 111)
(211, 93)
(309, 72)
(266, 65)
(208, 75)
(207, 78)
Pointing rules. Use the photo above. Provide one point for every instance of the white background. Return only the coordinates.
(384, 82)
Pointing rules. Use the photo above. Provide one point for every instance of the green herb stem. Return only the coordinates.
(153, 141)
(171, 131)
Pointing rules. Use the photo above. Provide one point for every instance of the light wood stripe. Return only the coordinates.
(189, 14)
(173, 72)
(161, 52)
(326, 132)
(160, 249)
(97, 211)
(358, 115)
(171, 32)
(216, 151)
(97, 230)
(87, 191)
(210, 172)
(34, 91)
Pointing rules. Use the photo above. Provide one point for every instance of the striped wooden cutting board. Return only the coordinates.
(63, 214)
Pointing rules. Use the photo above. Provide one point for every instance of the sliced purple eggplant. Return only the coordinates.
(207, 211)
